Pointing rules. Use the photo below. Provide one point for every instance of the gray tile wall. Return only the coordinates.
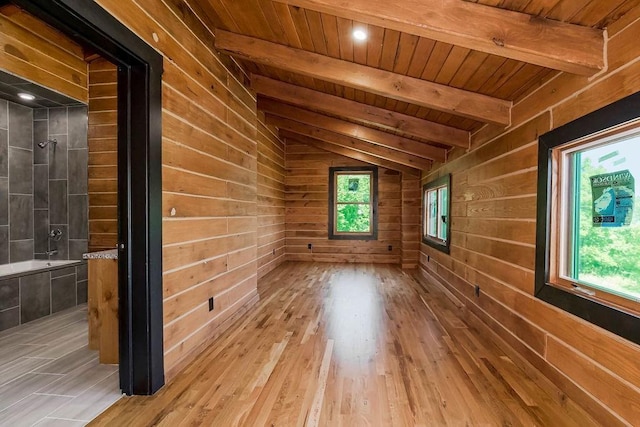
(16, 183)
(60, 182)
(42, 188)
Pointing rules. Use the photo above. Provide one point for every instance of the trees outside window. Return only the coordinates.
(353, 203)
(435, 213)
(588, 227)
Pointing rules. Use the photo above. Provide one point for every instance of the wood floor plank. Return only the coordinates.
(350, 344)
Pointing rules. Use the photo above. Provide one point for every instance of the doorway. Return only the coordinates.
(139, 181)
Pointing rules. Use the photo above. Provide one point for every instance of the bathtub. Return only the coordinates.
(15, 269)
(34, 289)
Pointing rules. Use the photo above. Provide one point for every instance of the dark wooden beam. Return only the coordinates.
(346, 141)
(366, 114)
(377, 137)
(348, 152)
(384, 83)
(536, 40)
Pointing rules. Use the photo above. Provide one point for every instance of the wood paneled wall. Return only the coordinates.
(37, 52)
(271, 200)
(307, 211)
(211, 140)
(103, 155)
(411, 210)
(493, 243)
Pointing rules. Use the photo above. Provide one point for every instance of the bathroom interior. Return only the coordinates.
(56, 166)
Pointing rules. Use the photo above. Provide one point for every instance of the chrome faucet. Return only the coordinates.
(53, 252)
(55, 234)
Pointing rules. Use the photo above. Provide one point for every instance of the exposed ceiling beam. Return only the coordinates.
(346, 141)
(408, 125)
(348, 152)
(374, 136)
(552, 44)
(380, 82)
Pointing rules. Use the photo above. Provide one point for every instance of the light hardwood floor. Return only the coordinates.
(350, 345)
(49, 377)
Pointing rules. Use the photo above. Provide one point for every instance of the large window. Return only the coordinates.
(435, 213)
(588, 233)
(353, 195)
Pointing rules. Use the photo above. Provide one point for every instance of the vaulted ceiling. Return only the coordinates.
(429, 74)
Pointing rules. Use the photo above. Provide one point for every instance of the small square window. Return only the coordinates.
(435, 213)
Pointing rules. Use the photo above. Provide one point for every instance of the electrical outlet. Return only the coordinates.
(310, 246)
(274, 251)
(390, 248)
(211, 304)
(477, 290)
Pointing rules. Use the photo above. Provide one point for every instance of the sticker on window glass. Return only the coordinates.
(353, 184)
(613, 195)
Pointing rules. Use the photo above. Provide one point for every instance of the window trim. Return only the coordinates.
(439, 244)
(612, 316)
(333, 172)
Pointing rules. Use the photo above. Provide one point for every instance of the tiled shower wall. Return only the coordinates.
(42, 189)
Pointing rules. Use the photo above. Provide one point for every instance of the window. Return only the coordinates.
(588, 235)
(353, 200)
(435, 213)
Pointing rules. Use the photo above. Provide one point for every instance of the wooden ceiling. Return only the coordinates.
(430, 73)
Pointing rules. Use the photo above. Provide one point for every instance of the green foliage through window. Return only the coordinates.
(606, 257)
(353, 210)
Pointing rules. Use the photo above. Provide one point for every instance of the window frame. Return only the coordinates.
(435, 242)
(334, 172)
(614, 313)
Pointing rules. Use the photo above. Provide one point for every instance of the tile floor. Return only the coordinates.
(48, 376)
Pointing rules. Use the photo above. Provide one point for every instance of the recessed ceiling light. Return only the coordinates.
(360, 35)
(26, 96)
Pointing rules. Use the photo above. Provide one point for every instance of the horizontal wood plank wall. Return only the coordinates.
(271, 227)
(210, 177)
(411, 208)
(37, 52)
(307, 211)
(493, 243)
(103, 155)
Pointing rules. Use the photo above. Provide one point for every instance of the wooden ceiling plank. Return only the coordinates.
(347, 152)
(359, 47)
(452, 64)
(310, 99)
(347, 141)
(314, 20)
(596, 11)
(389, 49)
(302, 27)
(420, 57)
(345, 31)
(355, 153)
(438, 56)
(271, 16)
(330, 26)
(282, 11)
(380, 82)
(375, 40)
(374, 136)
(515, 35)
(406, 48)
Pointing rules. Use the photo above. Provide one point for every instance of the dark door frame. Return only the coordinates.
(139, 181)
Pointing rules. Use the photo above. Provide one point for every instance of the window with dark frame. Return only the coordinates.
(435, 213)
(588, 235)
(353, 203)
